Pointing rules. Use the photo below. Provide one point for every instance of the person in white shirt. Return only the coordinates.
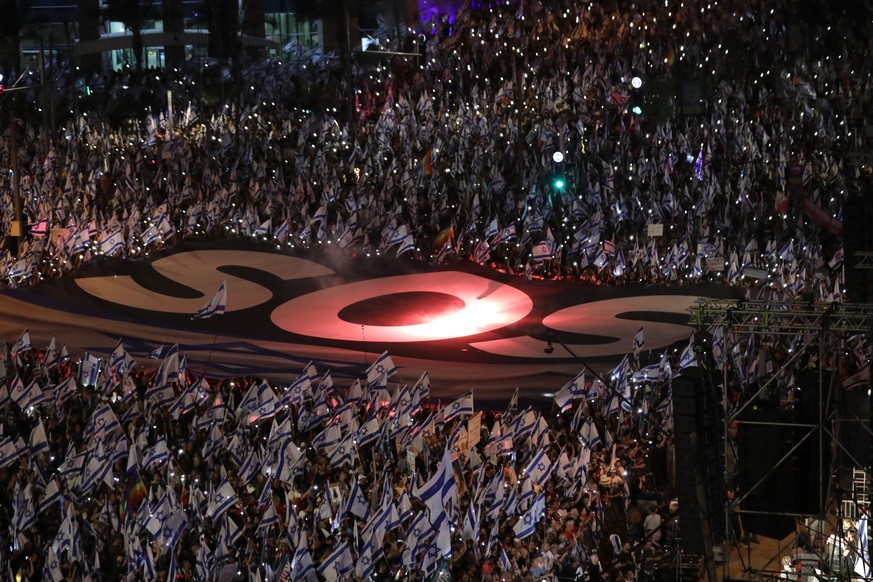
(652, 526)
(548, 557)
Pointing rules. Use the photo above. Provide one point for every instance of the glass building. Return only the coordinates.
(102, 34)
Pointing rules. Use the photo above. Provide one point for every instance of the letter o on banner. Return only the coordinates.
(487, 305)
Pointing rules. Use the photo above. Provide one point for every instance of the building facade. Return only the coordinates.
(103, 35)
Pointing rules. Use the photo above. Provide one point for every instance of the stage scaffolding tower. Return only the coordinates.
(823, 330)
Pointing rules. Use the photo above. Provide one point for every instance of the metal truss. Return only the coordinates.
(858, 158)
(864, 260)
(783, 318)
(823, 328)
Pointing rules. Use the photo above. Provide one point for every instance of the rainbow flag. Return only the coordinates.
(135, 493)
(135, 490)
(427, 163)
(444, 235)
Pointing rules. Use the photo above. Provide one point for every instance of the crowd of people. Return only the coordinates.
(452, 154)
(114, 470)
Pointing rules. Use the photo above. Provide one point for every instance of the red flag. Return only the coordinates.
(821, 217)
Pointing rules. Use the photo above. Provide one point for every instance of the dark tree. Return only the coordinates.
(133, 14)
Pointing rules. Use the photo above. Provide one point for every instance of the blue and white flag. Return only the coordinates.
(463, 406)
(50, 496)
(216, 305)
(214, 413)
(639, 342)
(170, 369)
(331, 436)
(344, 453)
(22, 344)
(156, 455)
(302, 567)
(89, 370)
(542, 251)
(507, 234)
(862, 561)
(588, 434)
(383, 366)
(26, 396)
(204, 561)
(367, 557)
(382, 521)
(290, 459)
(698, 165)
(539, 469)
(103, 421)
(120, 361)
(438, 490)
(369, 431)
(492, 230)
(526, 526)
(24, 514)
(339, 563)
(482, 252)
(264, 230)
(572, 390)
(600, 259)
(298, 391)
(418, 533)
(38, 440)
(112, 244)
(357, 503)
(688, 358)
(620, 264)
(221, 500)
(470, 529)
(268, 519)
(505, 564)
(260, 403)
(161, 395)
(406, 245)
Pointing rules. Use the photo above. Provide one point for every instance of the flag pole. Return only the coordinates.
(209, 355)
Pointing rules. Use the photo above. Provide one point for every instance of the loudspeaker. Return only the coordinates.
(759, 449)
(855, 435)
(776, 479)
(812, 457)
(699, 428)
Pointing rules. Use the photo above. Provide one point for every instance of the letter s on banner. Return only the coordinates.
(199, 270)
(599, 316)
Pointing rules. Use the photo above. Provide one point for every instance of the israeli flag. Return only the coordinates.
(216, 305)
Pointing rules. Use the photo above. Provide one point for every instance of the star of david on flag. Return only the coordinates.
(338, 563)
(463, 406)
(528, 523)
(540, 467)
(216, 305)
(573, 389)
(383, 366)
(221, 499)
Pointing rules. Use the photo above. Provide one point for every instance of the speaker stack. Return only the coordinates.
(699, 431)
